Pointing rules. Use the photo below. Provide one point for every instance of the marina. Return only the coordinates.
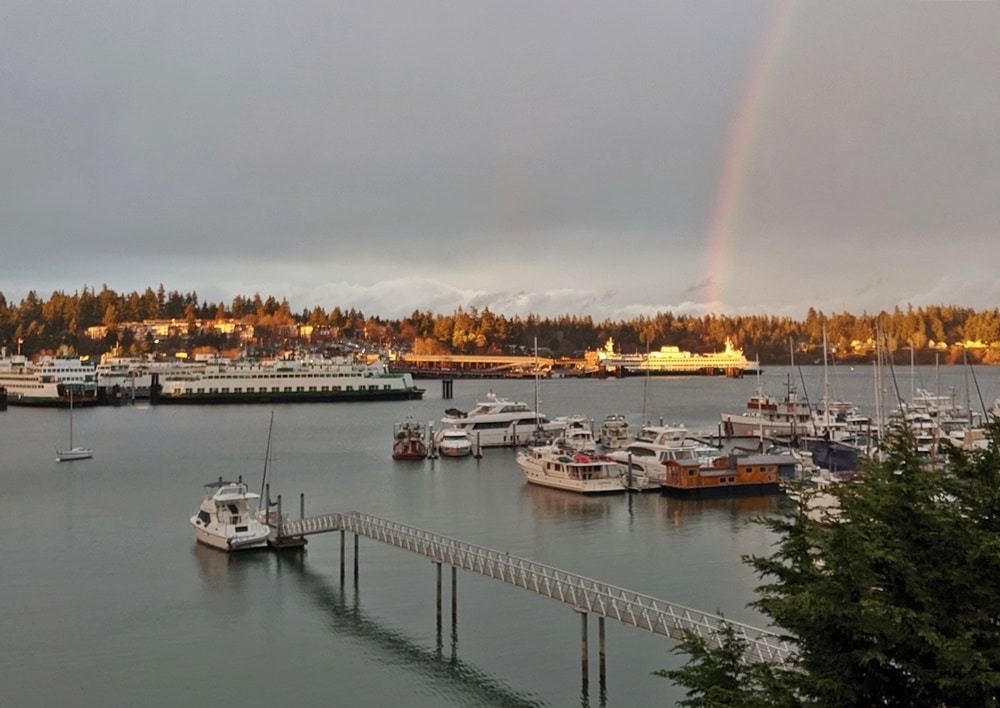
(86, 572)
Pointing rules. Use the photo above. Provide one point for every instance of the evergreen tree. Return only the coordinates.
(890, 599)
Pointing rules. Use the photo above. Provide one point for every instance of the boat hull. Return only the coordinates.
(717, 491)
(76, 453)
(231, 544)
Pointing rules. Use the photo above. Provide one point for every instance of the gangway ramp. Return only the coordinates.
(583, 594)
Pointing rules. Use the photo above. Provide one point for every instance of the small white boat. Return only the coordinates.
(453, 442)
(73, 452)
(225, 520)
(552, 466)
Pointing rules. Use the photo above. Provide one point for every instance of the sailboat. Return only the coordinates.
(73, 452)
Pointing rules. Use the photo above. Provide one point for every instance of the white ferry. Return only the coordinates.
(48, 382)
(283, 381)
(670, 360)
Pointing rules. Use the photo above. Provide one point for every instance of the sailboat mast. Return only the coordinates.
(267, 460)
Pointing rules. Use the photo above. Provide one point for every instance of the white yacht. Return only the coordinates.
(554, 466)
(453, 442)
(614, 432)
(498, 422)
(578, 435)
(225, 520)
(655, 445)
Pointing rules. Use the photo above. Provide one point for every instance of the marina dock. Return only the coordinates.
(583, 595)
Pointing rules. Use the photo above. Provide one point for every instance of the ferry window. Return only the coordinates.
(275, 389)
(238, 389)
(312, 388)
(336, 388)
(288, 388)
(324, 388)
(300, 388)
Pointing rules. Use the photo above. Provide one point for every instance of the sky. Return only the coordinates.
(583, 158)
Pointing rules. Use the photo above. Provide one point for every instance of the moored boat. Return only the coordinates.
(614, 432)
(453, 442)
(283, 381)
(556, 467)
(497, 422)
(408, 442)
(225, 520)
(47, 382)
(732, 475)
(671, 360)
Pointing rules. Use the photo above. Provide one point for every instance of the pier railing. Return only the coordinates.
(583, 594)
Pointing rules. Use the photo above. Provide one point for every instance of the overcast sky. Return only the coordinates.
(577, 157)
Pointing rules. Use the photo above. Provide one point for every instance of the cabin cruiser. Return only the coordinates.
(559, 468)
(225, 521)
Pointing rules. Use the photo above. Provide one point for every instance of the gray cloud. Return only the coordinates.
(548, 158)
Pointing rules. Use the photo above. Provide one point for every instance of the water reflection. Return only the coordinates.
(678, 512)
(226, 576)
(556, 504)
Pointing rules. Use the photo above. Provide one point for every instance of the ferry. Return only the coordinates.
(283, 381)
(671, 361)
(48, 382)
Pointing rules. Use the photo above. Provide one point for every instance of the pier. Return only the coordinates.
(581, 594)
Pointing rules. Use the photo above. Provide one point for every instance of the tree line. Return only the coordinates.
(932, 334)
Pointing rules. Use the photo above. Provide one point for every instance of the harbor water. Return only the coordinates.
(109, 601)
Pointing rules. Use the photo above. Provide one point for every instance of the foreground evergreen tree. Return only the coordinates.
(891, 600)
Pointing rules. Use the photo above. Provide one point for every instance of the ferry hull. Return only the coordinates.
(290, 397)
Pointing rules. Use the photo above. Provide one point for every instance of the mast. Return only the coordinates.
(267, 459)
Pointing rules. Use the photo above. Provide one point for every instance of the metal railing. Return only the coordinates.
(583, 594)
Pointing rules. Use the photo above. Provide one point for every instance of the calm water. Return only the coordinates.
(108, 600)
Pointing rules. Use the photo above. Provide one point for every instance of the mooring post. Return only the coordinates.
(600, 640)
(355, 558)
(302, 505)
(454, 596)
(437, 565)
(342, 534)
(584, 667)
(280, 530)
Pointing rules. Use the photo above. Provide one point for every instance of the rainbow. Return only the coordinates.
(729, 188)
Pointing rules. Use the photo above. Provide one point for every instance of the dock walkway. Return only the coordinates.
(583, 594)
